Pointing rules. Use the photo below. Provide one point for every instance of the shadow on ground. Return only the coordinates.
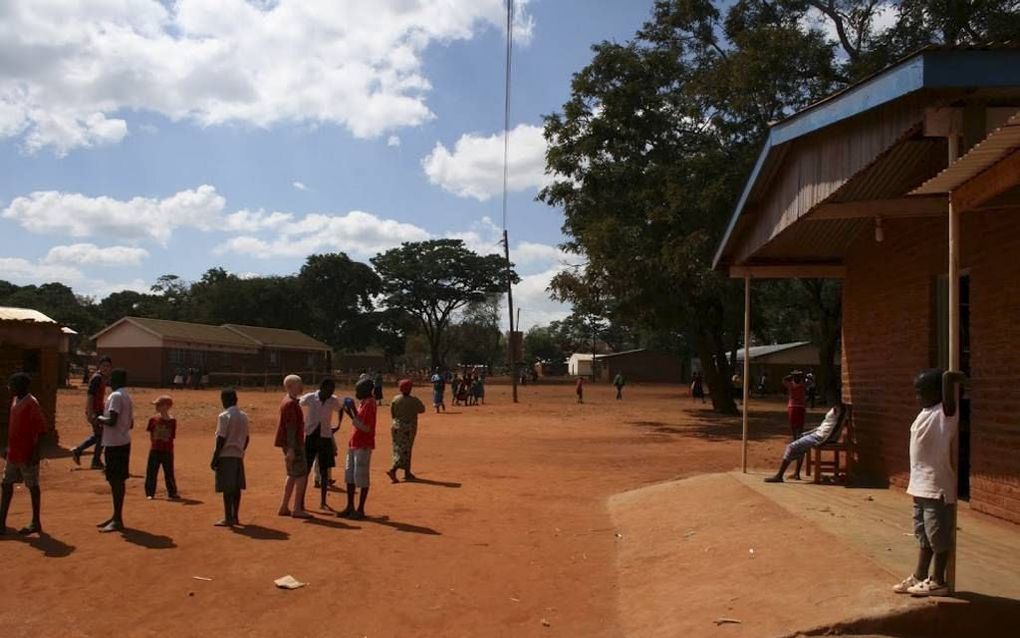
(964, 616)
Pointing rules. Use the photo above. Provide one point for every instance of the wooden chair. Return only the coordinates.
(842, 446)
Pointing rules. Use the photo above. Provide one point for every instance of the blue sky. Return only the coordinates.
(139, 138)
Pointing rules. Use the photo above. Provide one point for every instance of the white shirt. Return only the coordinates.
(824, 431)
(120, 433)
(233, 426)
(931, 449)
(319, 413)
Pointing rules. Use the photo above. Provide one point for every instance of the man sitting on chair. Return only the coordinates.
(795, 451)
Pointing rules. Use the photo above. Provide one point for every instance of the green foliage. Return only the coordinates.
(431, 280)
(56, 301)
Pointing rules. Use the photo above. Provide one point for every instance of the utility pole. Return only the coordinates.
(510, 350)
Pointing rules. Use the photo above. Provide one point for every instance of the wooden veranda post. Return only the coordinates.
(747, 371)
(954, 358)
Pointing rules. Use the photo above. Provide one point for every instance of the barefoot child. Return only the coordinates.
(162, 431)
(796, 411)
(290, 437)
(796, 450)
(579, 388)
(95, 399)
(932, 480)
(359, 451)
(117, 421)
(25, 427)
(438, 391)
(319, 408)
(228, 457)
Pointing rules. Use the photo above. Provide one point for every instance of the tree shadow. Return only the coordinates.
(260, 533)
(50, 547)
(329, 522)
(402, 527)
(422, 481)
(147, 539)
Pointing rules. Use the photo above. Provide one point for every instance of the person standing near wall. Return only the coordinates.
(95, 400)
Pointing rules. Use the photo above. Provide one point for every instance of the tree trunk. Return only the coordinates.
(717, 370)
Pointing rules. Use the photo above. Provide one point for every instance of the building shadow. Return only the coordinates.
(402, 527)
(260, 533)
(422, 481)
(964, 615)
(49, 546)
(147, 539)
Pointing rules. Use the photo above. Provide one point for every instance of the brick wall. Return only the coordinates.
(889, 335)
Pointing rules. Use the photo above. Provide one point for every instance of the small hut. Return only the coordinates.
(30, 342)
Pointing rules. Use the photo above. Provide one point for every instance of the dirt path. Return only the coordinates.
(510, 529)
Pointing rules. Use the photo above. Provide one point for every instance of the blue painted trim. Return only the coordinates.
(928, 69)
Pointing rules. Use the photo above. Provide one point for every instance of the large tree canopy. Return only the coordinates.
(431, 280)
(651, 151)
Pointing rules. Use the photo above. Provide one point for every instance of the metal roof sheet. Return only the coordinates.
(764, 351)
(998, 144)
(8, 313)
(190, 332)
(278, 337)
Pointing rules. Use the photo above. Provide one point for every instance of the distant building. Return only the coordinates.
(579, 365)
(778, 360)
(153, 350)
(349, 362)
(641, 365)
(29, 342)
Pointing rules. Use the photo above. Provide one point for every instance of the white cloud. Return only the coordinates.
(92, 255)
(23, 272)
(70, 70)
(393, 140)
(299, 185)
(532, 297)
(474, 168)
(357, 233)
(77, 215)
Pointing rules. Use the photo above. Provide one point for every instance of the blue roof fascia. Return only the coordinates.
(934, 68)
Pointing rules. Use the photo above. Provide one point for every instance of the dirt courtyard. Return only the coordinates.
(507, 533)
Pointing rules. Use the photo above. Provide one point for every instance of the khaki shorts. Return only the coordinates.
(21, 473)
(359, 462)
(298, 467)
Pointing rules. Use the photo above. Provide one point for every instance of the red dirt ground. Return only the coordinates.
(509, 535)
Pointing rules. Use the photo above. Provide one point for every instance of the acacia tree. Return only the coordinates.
(431, 280)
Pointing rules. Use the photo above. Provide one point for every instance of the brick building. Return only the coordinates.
(640, 365)
(29, 342)
(153, 350)
(865, 186)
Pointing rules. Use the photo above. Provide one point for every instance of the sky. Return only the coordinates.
(143, 137)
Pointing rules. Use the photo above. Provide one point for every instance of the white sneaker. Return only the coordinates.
(929, 588)
(904, 586)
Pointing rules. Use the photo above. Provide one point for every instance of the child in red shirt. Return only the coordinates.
(25, 426)
(796, 410)
(580, 390)
(359, 452)
(162, 431)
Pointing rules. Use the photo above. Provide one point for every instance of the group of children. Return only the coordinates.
(467, 390)
(933, 480)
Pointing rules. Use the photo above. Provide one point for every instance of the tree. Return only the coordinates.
(540, 344)
(431, 280)
(342, 291)
(653, 146)
(58, 302)
(476, 338)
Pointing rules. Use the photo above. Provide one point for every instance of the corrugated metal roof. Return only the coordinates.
(621, 353)
(998, 144)
(278, 337)
(897, 171)
(764, 351)
(8, 313)
(813, 240)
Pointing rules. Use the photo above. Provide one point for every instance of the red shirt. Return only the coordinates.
(291, 418)
(580, 386)
(797, 392)
(366, 413)
(25, 426)
(162, 432)
(97, 391)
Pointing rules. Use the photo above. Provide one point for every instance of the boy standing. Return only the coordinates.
(359, 452)
(228, 457)
(94, 405)
(796, 410)
(319, 408)
(438, 391)
(117, 421)
(579, 388)
(932, 480)
(290, 437)
(25, 427)
(162, 430)
(619, 382)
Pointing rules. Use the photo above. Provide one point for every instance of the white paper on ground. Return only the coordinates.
(289, 582)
